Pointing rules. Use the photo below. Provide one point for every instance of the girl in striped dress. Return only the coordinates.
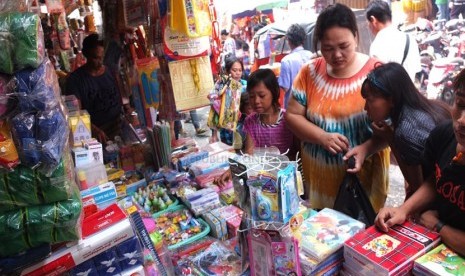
(266, 126)
(327, 112)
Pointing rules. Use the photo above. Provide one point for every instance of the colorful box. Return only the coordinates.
(326, 232)
(218, 228)
(80, 127)
(102, 195)
(94, 150)
(391, 253)
(107, 263)
(80, 156)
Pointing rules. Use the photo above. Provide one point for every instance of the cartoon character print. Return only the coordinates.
(382, 245)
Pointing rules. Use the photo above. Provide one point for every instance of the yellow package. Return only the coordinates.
(191, 17)
(230, 103)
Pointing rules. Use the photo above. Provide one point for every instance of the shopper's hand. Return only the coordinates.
(224, 178)
(429, 219)
(359, 154)
(334, 142)
(383, 130)
(390, 216)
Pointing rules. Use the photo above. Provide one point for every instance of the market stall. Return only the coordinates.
(145, 203)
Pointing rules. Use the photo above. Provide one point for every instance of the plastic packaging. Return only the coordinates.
(29, 227)
(21, 41)
(91, 175)
(40, 138)
(8, 154)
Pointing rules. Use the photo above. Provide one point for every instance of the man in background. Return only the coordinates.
(291, 63)
(390, 44)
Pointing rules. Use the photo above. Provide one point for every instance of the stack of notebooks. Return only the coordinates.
(323, 236)
(373, 252)
(160, 140)
(438, 262)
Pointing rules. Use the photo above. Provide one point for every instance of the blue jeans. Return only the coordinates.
(178, 124)
(443, 11)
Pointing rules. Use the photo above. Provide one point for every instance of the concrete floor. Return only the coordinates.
(396, 180)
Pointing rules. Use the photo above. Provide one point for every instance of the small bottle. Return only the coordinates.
(82, 180)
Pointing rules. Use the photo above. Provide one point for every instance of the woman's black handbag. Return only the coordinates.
(352, 200)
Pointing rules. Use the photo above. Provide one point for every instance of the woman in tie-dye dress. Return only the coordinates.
(327, 111)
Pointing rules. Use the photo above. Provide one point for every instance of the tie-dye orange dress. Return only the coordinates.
(336, 105)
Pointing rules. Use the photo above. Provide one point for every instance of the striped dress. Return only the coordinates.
(265, 135)
(336, 105)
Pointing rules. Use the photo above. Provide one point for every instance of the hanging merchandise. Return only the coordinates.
(134, 13)
(149, 87)
(225, 101)
(192, 81)
(21, 41)
(179, 46)
(54, 6)
(61, 27)
(190, 17)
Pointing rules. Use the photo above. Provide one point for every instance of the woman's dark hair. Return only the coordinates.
(229, 62)
(459, 81)
(244, 104)
(268, 78)
(391, 81)
(90, 43)
(337, 15)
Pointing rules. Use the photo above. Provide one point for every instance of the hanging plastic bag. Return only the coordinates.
(352, 200)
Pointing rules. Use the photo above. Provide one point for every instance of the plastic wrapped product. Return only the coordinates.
(28, 227)
(68, 227)
(23, 129)
(52, 135)
(6, 44)
(25, 187)
(35, 88)
(12, 233)
(8, 154)
(29, 48)
(4, 93)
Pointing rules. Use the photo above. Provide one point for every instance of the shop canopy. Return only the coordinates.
(242, 8)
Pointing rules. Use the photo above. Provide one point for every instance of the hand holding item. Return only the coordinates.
(334, 142)
(359, 154)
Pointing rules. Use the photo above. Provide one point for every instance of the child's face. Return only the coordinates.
(261, 99)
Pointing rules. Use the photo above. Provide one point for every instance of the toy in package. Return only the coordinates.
(225, 102)
(271, 254)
